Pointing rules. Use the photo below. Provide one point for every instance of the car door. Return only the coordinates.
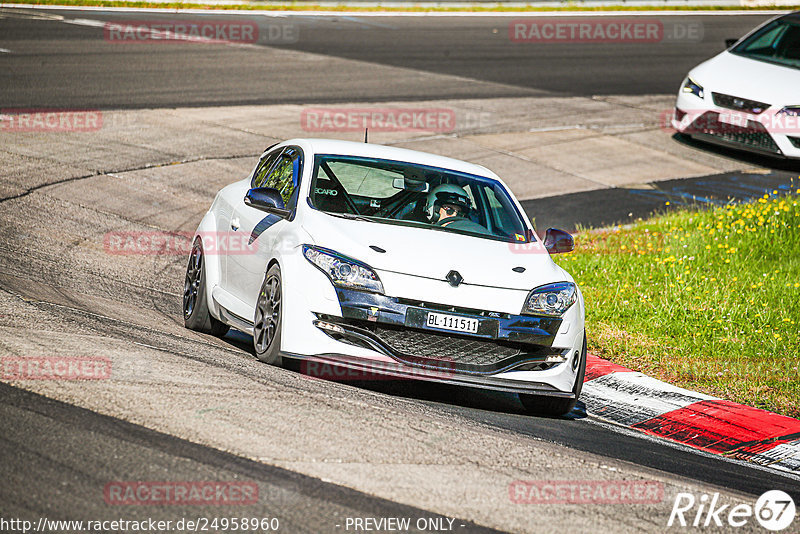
(229, 227)
(258, 229)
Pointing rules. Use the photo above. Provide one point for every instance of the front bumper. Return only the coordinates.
(396, 328)
(380, 336)
(762, 133)
(314, 298)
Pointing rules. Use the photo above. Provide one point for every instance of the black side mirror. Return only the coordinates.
(558, 241)
(267, 199)
(730, 42)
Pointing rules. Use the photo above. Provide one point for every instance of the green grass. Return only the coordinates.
(310, 6)
(704, 299)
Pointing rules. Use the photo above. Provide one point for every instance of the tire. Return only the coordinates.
(269, 318)
(195, 307)
(556, 406)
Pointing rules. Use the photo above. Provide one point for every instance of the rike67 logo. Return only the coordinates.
(774, 510)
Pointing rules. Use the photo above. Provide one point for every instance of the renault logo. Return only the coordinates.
(454, 278)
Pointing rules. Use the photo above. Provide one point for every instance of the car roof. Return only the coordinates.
(369, 150)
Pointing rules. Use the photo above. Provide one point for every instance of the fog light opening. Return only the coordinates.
(329, 327)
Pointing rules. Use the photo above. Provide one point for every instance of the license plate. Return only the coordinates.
(452, 322)
(733, 119)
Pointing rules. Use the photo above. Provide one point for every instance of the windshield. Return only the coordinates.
(394, 192)
(777, 42)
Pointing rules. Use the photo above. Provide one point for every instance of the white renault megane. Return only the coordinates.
(392, 261)
(748, 97)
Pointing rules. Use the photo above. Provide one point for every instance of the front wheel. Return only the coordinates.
(269, 318)
(195, 307)
(556, 406)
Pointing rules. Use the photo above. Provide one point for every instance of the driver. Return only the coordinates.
(447, 203)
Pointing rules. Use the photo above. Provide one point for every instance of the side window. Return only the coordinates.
(262, 170)
(501, 210)
(499, 214)
(285, 176)
(768, 39)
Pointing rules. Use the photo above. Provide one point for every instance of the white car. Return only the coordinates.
(390, 262)
(748, 97)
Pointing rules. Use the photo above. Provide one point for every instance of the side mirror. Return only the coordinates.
(730, 42)
(266, 199)
(558, 241)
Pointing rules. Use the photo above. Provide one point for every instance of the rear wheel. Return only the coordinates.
(195, 307)
(555, 406)
(268, 318)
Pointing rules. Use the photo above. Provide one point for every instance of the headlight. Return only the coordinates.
(792, 111)
(343, 271)
(552, 300)
(690, 87)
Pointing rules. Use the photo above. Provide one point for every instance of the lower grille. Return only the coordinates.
(433, 350)
(794, 140)
(753, 135)
(445, 348)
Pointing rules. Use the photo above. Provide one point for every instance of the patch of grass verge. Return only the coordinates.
(704, 299)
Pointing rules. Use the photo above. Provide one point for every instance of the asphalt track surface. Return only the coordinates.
(58, 65)
(68, 65)
(69, 436)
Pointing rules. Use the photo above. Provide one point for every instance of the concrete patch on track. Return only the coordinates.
(532, 142)
(637, 401)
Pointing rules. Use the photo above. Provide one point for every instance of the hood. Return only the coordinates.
(749, 78)
(433, 254)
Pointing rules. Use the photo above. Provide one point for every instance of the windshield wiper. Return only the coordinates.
(350, 216)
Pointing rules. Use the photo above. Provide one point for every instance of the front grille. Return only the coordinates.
(753, 135)
(740, 104)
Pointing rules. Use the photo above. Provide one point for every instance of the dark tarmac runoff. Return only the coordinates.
(624, 205)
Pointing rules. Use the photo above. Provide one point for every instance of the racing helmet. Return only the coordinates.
(446, 194)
